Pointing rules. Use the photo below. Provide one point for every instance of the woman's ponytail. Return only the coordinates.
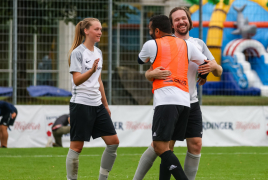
(78, 38)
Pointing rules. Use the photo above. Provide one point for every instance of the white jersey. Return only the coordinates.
(82, 59)
(170, 94)
(193, 67)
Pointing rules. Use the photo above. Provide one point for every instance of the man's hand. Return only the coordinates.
(13, 115)
(69, 120)
(160, 73)
(201, 81)
(207, 68)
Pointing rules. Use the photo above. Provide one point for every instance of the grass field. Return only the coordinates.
(217, 163)
(207, 100)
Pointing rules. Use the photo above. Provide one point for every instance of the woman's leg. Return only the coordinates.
(108, 156)
(72, 159)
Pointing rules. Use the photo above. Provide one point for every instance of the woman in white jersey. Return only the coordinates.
(89, 111)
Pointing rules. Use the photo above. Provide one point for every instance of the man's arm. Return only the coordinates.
(148, 52)
(201, 81)
(211, 66)
(157, 73)
(194, 54)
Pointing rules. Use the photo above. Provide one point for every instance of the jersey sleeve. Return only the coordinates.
(148, 52)
(76, 62)
(194, 54)
(206, 51)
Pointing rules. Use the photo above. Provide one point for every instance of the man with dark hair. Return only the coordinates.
(9, 114)
(180, 19)
(161, 23)
(171, 96)
(59, 128)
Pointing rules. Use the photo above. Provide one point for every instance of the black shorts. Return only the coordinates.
(169, 122)
(87, 121)
(7, 120)
(194, 126)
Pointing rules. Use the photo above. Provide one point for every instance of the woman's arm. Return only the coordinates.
(81, 78)
(103, 96)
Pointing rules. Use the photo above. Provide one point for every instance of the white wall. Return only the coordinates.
(66, 37)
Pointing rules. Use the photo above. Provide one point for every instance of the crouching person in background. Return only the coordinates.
(59, 128)
(8, 112)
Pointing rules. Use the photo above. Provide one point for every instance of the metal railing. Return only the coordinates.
(36, 36)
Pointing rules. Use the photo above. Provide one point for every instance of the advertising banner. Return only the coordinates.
(222, 126)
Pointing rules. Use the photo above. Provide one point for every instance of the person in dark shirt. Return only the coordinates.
(59, 128)
(8, 112)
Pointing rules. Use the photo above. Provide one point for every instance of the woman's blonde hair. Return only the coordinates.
(80, 34)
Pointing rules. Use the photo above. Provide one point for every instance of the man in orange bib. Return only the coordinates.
(171, 95)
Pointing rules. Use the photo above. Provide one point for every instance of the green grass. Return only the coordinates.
(235, 100)
(217, 163)
(206, 100)
(50, 100)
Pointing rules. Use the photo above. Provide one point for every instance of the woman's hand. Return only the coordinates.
(95, 65)
(108, 110)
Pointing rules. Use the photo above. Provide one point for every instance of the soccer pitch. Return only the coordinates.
(238, 163)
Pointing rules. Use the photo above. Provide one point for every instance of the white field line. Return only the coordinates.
(91, 155)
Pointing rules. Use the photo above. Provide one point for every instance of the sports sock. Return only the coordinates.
(146, 162)
(191, 165)
(107, 161)
(170, 161)
(72, 164)
(164, 173)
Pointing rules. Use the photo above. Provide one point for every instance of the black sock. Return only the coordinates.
(170, 161)
(3, 147)
(164, 173)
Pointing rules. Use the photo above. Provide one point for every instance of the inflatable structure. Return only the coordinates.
(237, 35)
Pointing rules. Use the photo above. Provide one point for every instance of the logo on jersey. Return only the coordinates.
(168, 80)
(176, 81)
(88, 61)
(87, 68)
(172, 167)
(154, 134)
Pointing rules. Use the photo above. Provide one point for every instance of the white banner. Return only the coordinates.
(222, 126)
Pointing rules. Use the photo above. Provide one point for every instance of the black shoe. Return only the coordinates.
(56, 145)
(3, 147)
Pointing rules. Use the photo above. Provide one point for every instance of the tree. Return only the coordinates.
(37, 16)
(226, 2)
